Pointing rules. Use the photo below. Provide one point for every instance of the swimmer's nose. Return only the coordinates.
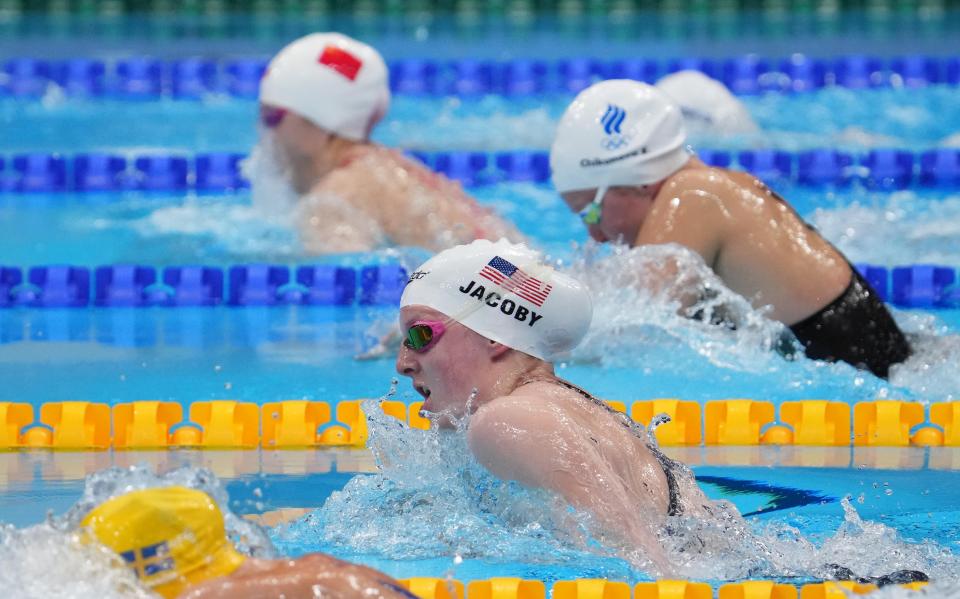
(407, 364)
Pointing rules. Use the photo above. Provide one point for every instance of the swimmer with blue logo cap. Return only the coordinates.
(621, 163)
(174, 540)
(320, 99)
(483, 323)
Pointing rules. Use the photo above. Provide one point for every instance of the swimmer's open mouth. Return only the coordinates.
(422, 390)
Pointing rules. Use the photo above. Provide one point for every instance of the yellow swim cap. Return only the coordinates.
(171, 537)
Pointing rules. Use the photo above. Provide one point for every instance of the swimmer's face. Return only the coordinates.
(299, 144)
(625, 208)
(446, 373)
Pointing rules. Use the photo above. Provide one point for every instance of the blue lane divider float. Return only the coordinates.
(913, 286)
(146, 78)
(879, 169)
(213, 172)
(132, 285)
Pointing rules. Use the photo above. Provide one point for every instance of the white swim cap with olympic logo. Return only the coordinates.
(334, 81)
(506, 293)
(617, 132)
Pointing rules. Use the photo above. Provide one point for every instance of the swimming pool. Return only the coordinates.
(419, 515)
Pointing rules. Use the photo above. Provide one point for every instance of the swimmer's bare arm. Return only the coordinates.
(307, 577)
(690, 211)
(412, 214)
(517, 439)
(333, 220)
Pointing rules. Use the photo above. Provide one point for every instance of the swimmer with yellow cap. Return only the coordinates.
(320, 98)
(174, 540)
(621, 163)
(482, 325)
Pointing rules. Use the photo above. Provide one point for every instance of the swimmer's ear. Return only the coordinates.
(496, 350)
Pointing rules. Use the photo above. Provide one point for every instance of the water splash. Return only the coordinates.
(112, 482)
(431, 499)
(41, 562)
(636, 304)
(925, 230)
(728, 548)
(639, 323)
(270, 179)
(49, 559)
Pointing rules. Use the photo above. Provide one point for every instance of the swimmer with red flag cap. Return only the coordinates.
(320, 98)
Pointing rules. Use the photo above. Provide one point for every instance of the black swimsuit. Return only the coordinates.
(674, 507)
(856, 328)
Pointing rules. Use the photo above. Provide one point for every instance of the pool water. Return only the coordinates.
(903, 505)
(415, 503)
(911, 118)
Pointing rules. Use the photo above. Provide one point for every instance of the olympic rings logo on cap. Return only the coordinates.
(615, 142)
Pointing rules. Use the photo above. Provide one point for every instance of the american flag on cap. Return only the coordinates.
(341, 61)
(511, 278)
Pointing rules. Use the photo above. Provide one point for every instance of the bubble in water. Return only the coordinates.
(40, 561)
(634, 308)
(430, 498)
(49, 560)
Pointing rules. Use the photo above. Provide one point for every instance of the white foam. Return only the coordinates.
(430, 499)
(635, 307)
(924, 231)
(40, 562)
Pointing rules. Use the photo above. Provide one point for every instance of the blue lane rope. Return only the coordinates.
(145, 78)
(880, 169)
(63, 286)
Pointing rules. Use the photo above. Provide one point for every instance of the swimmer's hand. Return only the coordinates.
(385, 347)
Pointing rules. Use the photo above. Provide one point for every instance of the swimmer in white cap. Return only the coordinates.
(619, 160)
(483, 323)
(320, 98)
(706, 104)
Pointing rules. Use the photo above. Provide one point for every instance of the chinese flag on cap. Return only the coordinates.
(341, 61)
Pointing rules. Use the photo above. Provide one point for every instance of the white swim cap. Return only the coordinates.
(334, 81)
(617, 132)
(706, 103)
(504, 292)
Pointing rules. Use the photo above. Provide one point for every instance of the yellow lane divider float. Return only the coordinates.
(304, 424)
(516, 588)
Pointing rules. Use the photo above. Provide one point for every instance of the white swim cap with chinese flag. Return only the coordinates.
(336, 82)
(506, 293)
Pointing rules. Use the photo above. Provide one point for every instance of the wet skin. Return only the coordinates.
(753, 240)
(527, 427)
(307, 577)
(359, 195)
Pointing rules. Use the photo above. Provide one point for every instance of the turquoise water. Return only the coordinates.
(162, 229)
(832, 117)
(431, 508)
(918, 503)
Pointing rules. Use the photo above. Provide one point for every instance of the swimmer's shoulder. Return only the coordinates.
(530, 413)
(704, 178)
(511, 436)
